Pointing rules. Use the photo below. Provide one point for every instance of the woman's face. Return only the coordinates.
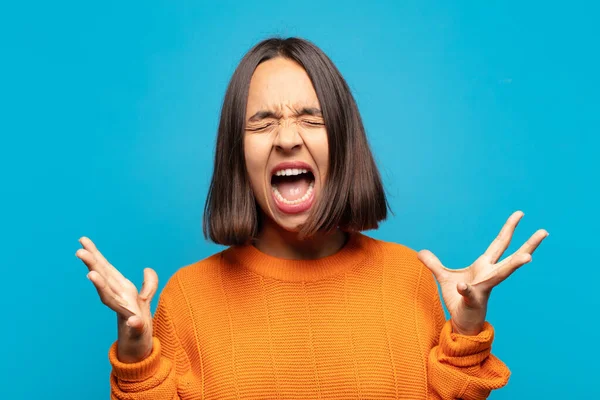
(285, 141)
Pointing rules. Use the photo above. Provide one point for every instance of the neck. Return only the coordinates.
(278, 242)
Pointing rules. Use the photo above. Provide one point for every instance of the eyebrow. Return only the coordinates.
(262, 114)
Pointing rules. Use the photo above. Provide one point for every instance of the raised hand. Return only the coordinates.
(466, 291)
(134, 318)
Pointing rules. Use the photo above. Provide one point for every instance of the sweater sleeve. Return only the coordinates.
(462, 366)
(156, 377)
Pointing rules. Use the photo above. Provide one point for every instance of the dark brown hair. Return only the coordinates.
(352, 196)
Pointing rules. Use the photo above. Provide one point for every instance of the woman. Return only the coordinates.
(302, 305)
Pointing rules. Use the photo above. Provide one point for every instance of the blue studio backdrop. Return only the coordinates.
(108, 118)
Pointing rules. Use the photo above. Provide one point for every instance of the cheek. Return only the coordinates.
(256, 153)
(318, 146)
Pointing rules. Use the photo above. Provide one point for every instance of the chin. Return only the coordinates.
(290, 223)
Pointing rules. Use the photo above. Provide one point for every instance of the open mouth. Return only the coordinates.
(293, 189)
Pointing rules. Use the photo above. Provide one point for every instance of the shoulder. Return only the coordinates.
(193, 276)
(392, 250)
(403, 259)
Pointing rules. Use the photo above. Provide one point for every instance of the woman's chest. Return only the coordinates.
(337, 340)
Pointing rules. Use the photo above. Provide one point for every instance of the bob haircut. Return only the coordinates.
(352, 197)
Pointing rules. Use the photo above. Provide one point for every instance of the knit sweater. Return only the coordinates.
(363, 323)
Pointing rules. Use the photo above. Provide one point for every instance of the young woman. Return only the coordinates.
(302, 305)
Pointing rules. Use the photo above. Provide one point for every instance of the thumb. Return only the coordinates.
(432, 263)
(138, 326)
(149, 286)
(135, 322)
(466, 291)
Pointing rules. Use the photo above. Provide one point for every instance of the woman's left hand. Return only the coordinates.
(466, 291)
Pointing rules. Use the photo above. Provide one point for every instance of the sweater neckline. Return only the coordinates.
(289, 270)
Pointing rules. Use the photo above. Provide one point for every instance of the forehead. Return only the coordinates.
(280, 84)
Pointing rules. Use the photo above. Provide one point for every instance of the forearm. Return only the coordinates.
(157, 376)
(154, 378)
(462, 367)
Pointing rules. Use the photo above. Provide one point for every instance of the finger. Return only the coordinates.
(88, 259)
(93, 265)
(527, 249)
(91, 247)
(96, 261)
(149, 286)
(433, 264)
(501, 242)
(108, 297)
(505, 269)
(533, 242)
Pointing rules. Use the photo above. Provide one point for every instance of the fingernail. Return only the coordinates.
(88, 276)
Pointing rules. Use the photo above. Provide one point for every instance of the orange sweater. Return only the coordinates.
(364, 323)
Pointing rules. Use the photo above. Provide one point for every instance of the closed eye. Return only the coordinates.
(260, 128)
(312, 123)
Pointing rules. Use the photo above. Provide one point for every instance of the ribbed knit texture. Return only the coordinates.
(364, 323)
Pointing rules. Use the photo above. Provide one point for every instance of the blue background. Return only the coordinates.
(108, 117)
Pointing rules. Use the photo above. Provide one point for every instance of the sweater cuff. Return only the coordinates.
(138, 371)
(464, 350)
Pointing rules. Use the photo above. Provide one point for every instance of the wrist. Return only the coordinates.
(471, 329)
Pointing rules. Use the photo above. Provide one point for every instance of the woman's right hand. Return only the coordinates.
(134, 318)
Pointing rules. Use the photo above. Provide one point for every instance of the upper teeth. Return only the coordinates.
(288, 172)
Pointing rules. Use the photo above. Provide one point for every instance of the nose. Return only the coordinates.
(288, 138)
